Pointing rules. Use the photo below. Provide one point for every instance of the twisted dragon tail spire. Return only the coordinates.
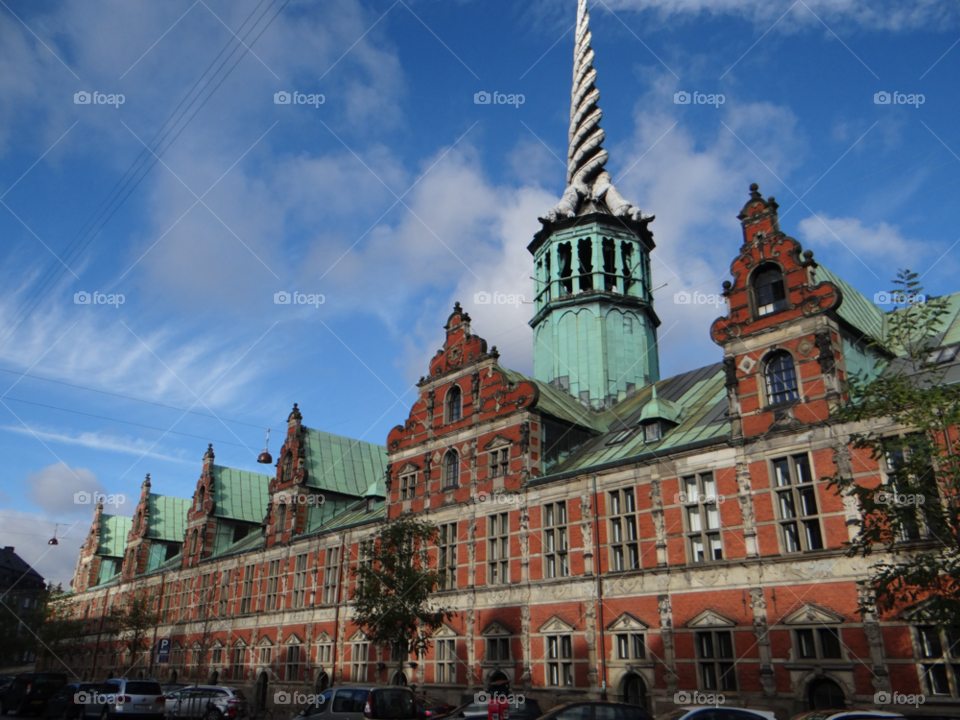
(589, 186)
(585, 155)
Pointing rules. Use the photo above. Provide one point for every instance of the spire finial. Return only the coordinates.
(587, 180)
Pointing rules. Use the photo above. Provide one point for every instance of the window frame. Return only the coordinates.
(790, 395)
(705, 540)
(555, 540)
(559, 658)
(722, 668)
(499, 461)
(447, 554)
(816, 634)
(623, 537)
(498, 548)
(453, 404)
(445, 661)
(783, 301)
(331, 575)
(451, 468)
(799, 491)
(939, 670)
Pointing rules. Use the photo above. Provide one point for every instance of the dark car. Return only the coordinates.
(595, 711)
(357, 702)
(430, 707)
(529, 709)
(63, 704)
(30, 691)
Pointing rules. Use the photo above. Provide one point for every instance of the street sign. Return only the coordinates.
(163, 651)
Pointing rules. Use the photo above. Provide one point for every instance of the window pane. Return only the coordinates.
(709, 485)
(781, 470)
(786, 505)
(805, 646)
(830, 643)
(814, 538)
(802, 465)
(693, 515)
(808, 501)
(690, 489)
(639, 647)
(791, 537)
(713, 517)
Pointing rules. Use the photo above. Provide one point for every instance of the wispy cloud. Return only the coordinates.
(100, 441)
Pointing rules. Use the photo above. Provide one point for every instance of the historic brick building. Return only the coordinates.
(606, 531)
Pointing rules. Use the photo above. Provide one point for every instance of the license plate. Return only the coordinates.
(142, 706)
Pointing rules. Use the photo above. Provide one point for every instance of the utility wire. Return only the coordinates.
(147, 157)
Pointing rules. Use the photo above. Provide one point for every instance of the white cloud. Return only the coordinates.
(878, 246)
(53, 489)
(98, 441)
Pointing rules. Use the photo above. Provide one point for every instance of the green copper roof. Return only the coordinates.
(358, 515)
(702, 396)
(168, 517)
(557, 403)
(659, 409)
(113, 535)
(342, 465)
(240, 494)
(855, 308)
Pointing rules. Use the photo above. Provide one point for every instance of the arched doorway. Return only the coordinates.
(634, 690)
(825, 694)
(399, 678)
(498, 681)
(260, 697)
(323, 682)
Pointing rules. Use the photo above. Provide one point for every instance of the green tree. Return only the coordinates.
(395, 580)
(57, 629)
(132, 625)
(905, 413)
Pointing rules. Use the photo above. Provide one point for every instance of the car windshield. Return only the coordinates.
(143, 688)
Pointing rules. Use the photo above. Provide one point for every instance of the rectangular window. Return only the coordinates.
(560, 660)
(300, 577)
(446, 665)
(447, 554)
(797, 504)
(358, 664)
(246, 598)
(498, 548)
(624, 547)
(237, 662)
(905, 467)
(500, 462)
(331, 573)
(407, 483)
(293, 663)
(631, 646)
(273, 582)
(266, 655)
(498, 649)
(702, 516)
(940, 660)
(224, 598)
(818, 643)
(716, 660)
(555, 540)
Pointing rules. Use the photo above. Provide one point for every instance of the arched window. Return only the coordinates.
(201, 494)
(781, 378)
(194, 542)
(769, 292)
(286, 471)
(454, 404)
(281, 518)
(136, 524)
(451, 469)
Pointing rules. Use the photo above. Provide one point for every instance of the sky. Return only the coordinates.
(184, 197)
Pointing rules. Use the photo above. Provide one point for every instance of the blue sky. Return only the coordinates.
(397, 196)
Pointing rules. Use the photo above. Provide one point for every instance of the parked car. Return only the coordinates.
(206, 702)
(121, 699)
(595, 711)
(360, 702)
(430, 707)
(849, 715)
(172, 687)
(529, 709)
(63, 704)
(716, 713)
(29, 692)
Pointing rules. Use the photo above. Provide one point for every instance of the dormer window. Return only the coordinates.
(286, 471)
(652, 432)
(769, 291)
(454, 404)
(201, 494)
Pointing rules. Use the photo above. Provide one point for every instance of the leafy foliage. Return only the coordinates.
(908, 417)
(133, 624)
(394, 583)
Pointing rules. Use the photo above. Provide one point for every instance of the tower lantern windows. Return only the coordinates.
(585, 258)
